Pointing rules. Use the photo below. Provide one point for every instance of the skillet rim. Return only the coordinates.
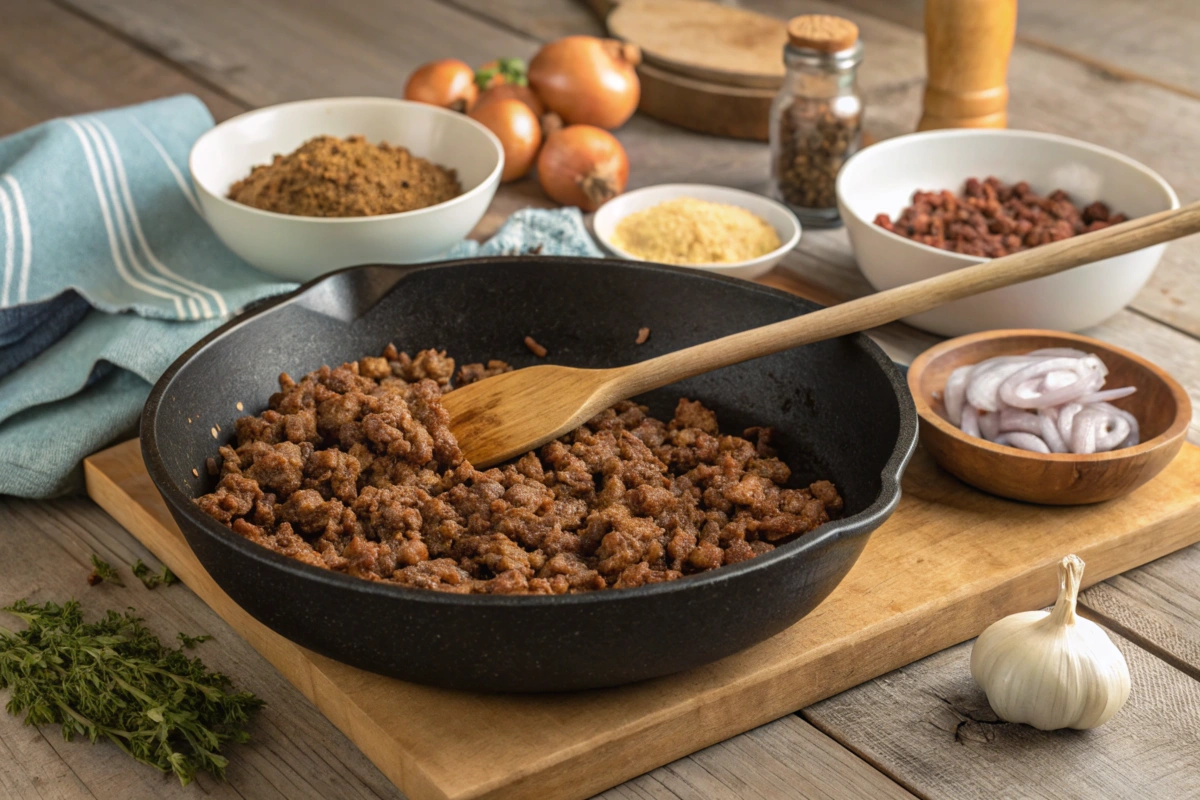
(828, 535)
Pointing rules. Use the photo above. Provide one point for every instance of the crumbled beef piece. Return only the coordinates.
(469, 373)
(354, 469)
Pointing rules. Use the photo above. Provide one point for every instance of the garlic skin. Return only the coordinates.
(1052, 669)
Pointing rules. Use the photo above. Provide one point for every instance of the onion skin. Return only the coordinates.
(511, 91)
(581, 165)
(448, 83)
(519, 132)
(587, 80)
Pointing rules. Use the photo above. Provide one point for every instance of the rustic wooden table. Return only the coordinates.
(1119, 74)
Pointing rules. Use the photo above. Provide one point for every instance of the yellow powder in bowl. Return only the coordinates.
(690, 231)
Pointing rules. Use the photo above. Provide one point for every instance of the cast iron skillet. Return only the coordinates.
(841, 407)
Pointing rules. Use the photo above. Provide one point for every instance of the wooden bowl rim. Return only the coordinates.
(1177, 429)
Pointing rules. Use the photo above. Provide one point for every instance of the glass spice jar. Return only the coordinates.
(816, 119)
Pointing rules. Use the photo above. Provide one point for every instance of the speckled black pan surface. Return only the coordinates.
(842, 408)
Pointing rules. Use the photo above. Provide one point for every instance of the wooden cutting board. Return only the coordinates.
(704, 40)
(706, 67)
(949, 562)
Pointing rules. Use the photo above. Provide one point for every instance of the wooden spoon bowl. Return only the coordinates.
(1162, 408)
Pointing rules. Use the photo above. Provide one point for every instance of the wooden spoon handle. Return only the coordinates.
(913, 298)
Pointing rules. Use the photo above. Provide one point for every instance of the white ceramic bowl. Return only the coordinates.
(301, 248)
(775, 214)
(882, 178)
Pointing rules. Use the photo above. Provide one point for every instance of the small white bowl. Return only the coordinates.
(301, 248)
(882, 178)
(775, 214)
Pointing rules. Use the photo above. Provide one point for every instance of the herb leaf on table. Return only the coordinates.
(113, 679)
(152, 579)
(103, 572)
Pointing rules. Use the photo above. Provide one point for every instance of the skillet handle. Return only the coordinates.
(913, 298)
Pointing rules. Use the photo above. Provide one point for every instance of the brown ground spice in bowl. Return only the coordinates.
(332, 177)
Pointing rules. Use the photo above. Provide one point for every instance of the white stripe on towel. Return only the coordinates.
(26, 240)
(9, 245)
(201, 290)
(119, 215)
(108, 224)
(162, 152)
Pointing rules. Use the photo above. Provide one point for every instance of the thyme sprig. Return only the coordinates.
(113, 679)
(152, 579)
(103, 572)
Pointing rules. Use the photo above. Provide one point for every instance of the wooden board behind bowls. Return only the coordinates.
(706, 67)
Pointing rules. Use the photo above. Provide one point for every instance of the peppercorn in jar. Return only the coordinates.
(816, 119)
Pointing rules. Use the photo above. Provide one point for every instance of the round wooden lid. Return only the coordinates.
(822, 32)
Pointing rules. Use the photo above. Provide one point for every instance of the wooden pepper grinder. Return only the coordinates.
(967, 45)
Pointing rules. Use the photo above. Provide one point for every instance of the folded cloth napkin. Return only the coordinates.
(110, 272)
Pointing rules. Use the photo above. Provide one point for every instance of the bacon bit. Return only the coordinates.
(643, 335)
(535, 348)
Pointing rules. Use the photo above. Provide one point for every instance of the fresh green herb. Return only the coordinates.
(511, 70)
(143, 573)
(113, 679)
(192, 641)
(103, 571)
(151, 579)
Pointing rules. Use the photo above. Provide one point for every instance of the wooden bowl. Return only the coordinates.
(1162, 408)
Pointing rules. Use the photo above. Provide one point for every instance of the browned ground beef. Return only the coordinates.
(355, 470)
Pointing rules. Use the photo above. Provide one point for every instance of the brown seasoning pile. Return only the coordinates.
(332, 177)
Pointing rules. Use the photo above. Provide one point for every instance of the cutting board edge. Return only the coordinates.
(562, 771)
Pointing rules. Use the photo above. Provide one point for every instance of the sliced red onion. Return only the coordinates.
(970, 421)
(984, 385)
(989, 424)
(1108, 394)
(1059, 378)
(1050, 401)
(955, 393)
(1023, 441)
(1066, 419)
(1113, 430)
(1048, 419)
(1012, 419)
(1135, 432)
(1084, 431)
(1019, 389)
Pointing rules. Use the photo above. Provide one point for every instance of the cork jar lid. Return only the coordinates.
(822, 32)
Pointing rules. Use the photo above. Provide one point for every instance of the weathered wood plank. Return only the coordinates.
(294, 751)
(930, 727)
(787, 758)
(1157, 605)
(52, 62)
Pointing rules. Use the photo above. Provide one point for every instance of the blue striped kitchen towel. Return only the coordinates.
(109, 272)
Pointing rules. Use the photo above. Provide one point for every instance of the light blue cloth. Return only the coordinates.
(108, 272)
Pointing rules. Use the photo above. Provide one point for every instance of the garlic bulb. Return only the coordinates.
(1052, 669)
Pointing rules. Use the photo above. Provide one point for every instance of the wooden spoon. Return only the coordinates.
(509, 414)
